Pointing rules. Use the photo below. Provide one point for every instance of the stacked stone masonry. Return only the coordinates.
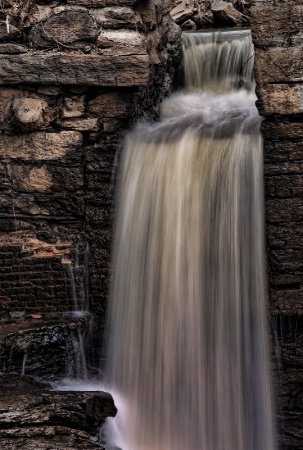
(74, 76)
(277, 35)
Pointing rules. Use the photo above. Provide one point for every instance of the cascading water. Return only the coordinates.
(187, 352)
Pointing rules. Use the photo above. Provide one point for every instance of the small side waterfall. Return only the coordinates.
(188, 358)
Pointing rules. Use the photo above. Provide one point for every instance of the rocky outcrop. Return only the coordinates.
(50, 344)
(34, 417)
(226, 12)
(277, 32)
(196, 14)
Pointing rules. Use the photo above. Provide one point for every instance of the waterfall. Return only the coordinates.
(188, 358)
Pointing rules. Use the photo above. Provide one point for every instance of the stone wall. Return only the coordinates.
(277, 35)
(74, 75)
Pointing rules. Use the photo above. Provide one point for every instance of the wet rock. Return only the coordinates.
(227, 13)
(32, 416)
(41, 351)
(8, 32)
(16, 314)
(188, 25)
(183, 10)
(204, 18)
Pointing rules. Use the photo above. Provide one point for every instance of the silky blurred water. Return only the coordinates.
(188, 359)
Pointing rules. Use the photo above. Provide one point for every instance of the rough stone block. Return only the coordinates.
(25, 110)
(84, 124)
(21, 347)
(275, 131)
(44, 205)
(278, 152)
(7, 95)
(122, 42)
(150, 13)
(74, 106)
(38, 179)
(188, 25)
(280, 99)
(284, 210)
(274, 154)
(99, 216)
(285, 186)
(283, 168)
(115, 17)
(270, 28)
(287, 302)
(40, 145)
(112, 104)
(8, 32)
(12, 49)
(204, 18)
(69, 28)
(38, 14)
(183, 10)
(29, 110)
(226, 12)
(83, 70)
(279, 65)
(46, 178)
(36, 417)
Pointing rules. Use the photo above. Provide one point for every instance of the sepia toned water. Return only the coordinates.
(187, 354)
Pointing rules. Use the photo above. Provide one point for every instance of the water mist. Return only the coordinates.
(188, 358)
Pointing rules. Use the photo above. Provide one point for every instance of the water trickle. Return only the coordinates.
(77, 366)
(80, 328)
(24, 363)
(188, 357)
